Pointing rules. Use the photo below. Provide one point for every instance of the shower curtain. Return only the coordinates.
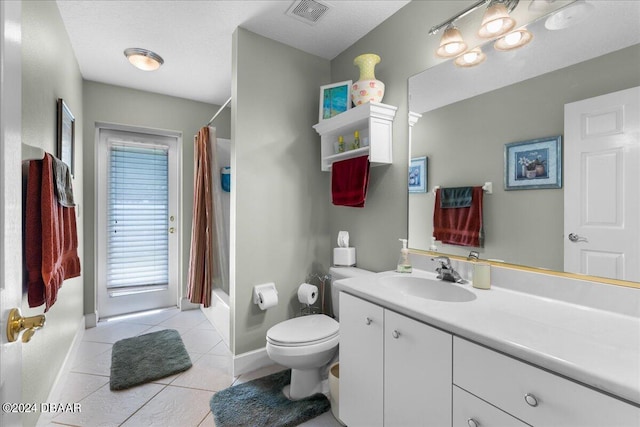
(208, 261)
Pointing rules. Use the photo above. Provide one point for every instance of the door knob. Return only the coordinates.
(575, 238)
(16, 323)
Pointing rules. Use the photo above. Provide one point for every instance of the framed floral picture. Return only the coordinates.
(533, 164)
(418, 175)
(66, 135)
(335, 98)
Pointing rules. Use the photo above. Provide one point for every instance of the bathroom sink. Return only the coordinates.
(426, 288)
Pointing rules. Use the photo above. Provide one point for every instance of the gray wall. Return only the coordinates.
(522, 227)
(49, 72)
(115, 104)
(405, 47)
(279, 200)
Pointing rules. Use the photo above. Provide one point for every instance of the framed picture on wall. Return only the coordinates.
(533, 164)
(335, 98)
(418, 175)
(66, 135)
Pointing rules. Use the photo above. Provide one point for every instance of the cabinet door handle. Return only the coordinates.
(472, 423)
(367, 320)
(531, 400)
(395, 334)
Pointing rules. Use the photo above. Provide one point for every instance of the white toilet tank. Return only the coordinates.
(338, 273)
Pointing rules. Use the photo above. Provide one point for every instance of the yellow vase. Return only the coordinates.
(367, 88)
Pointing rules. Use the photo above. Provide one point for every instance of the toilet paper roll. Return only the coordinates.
(343, 239)
(267, 298)
(307, 294)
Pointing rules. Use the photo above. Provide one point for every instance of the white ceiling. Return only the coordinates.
(194, 38)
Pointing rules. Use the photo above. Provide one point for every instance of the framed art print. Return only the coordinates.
(66, 135)
(418, 175)
(335, 98)
(533, 164)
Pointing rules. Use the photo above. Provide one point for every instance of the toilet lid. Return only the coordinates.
(303, 330)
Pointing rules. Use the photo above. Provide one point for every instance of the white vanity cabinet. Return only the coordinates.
(374, 122)
(394, 371)
(469, 411)
(533, 395)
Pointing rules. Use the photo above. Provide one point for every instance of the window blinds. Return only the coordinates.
(138, 211)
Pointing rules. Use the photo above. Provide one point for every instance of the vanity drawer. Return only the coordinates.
(533, 395)
(469, 411)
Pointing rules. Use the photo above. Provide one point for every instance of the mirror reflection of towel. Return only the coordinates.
(349, 182)
(460, 226)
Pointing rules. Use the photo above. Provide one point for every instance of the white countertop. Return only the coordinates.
(596, 347)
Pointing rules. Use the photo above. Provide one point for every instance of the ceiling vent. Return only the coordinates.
(308, 11)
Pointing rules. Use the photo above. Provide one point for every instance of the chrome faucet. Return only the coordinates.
(446, 271)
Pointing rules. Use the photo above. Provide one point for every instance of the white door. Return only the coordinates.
(10, 205)
(138, 228)
(602, 186)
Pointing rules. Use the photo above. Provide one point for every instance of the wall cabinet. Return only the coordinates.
(533, 395)
(394, 371)
(374, 122)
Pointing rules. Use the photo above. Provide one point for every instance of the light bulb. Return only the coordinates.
(470, 57)
(494, 26)
(452, 48)
(513, 38)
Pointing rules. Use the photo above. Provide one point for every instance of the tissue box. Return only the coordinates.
(344, 256)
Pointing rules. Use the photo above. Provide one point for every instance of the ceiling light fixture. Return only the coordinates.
(143, 59)
(451, 44)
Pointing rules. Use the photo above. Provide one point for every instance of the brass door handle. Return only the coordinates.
(16, 323)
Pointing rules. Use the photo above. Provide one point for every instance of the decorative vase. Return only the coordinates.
(367, 88)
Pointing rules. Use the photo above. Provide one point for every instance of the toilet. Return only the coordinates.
(307, 343)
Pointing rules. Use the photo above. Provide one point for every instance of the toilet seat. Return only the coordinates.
(303, 331)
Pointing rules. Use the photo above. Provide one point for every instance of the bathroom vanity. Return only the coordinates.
(418, 351)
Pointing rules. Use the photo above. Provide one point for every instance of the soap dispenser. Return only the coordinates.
(404, 265)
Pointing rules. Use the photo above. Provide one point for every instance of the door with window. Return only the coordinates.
(137, 245)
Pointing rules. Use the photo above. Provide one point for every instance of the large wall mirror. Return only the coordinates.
(468, 115)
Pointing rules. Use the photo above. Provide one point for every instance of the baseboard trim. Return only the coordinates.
(185, 304)
(250, 361)
(91, 320)
(46, 418)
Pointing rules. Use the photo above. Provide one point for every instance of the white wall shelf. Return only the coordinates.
(374, 122)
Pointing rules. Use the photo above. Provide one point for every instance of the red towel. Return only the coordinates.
(51, 237)
(459, 226)
(349, 181)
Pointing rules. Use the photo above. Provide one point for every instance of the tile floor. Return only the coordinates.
(180, 400)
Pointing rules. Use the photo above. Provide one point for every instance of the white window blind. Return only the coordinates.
(138, 217)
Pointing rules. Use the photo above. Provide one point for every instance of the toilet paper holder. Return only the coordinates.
(261, 289)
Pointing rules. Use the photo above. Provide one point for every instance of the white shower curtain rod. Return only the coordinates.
(219, 111)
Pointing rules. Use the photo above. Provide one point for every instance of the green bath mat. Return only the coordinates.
(146, 358)
(260, 403)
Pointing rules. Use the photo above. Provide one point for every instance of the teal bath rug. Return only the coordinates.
(146, 358)
(260, 403)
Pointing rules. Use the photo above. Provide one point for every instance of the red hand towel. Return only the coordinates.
(51, 246)
(459, 226)
(349, 181)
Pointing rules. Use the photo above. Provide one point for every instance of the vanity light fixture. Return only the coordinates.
(143, 59)
(496, 21)
(471, 58)
(513, 40)
(451, 44)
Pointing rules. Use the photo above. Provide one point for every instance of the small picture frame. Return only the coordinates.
(418, 175)
(66, 135)
(533, 164)
(335, 98)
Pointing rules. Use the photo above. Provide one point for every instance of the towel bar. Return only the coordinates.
(29, 152)
(487, 187)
